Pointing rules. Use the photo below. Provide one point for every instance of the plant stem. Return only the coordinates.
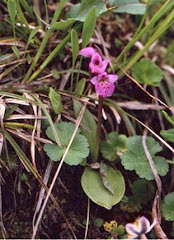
(100, 106)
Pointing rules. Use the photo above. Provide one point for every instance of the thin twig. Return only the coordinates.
(151, 163)
(159, 231)
(156, 213)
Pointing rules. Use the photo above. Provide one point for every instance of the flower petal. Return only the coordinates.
(87, 52)
(112, 78)
(152, 225)
(94, 80)
(132, 230)
(104, 63)
(105, 89)
(97, 65)
(144, 225)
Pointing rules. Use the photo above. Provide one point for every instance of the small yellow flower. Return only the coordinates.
(109, 226)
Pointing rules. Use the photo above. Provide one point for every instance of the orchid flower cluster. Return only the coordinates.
(140, 227)
(104, 82)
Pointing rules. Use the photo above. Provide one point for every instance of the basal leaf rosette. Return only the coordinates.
(79, 147)
(135, 158)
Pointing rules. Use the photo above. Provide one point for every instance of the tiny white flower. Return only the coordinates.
(139, 227)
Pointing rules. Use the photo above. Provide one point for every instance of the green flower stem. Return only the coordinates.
(100, 106)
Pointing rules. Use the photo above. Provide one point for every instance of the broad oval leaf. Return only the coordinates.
(94, 188)
(135, 159)
(168, 207)
(56, 102)
(79, 147)
(147, 72)
(89, 26)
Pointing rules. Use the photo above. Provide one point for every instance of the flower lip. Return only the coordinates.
(105, 89)
(104, 84)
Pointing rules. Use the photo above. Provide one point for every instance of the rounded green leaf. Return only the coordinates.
(94, 188)
(78, 149)
(135, 158)
(168, 207)
(147, 72)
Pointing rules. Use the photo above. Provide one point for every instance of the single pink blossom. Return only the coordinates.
(87, 52)
(97, 65)
(104, 84)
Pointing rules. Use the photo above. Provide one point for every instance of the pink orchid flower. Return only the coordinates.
(104, 84)
(139, 227)
(97, 65)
